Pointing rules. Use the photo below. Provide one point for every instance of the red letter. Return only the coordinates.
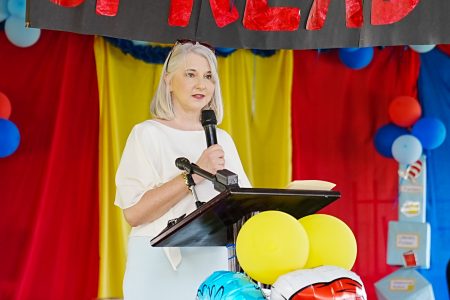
(319, 10)
(391, 11)
(223, 13)
(107, 7)
(259, 16)
(67, 3)
(180, 12)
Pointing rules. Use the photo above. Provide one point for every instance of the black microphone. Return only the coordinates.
(209, 123)
(184, 164)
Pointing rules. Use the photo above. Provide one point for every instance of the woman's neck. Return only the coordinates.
(189, 122)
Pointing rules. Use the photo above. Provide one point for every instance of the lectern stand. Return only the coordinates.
(217, 222)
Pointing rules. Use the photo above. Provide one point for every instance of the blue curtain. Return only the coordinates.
(434, 94)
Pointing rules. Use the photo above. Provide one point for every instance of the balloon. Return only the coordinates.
(326, 282)
(3, 10)
(270, 244)
(9, 138)
(225, 50)
(18, 34)
(406, 149)
(17, 8)
(5, 106)
(349, 49)
(331, 242)
(404, 111)
(422, 48)
(385, 137)
(227, 285)
(431, 132)
(356, 59)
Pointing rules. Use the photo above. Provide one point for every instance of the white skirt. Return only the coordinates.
(149, 274)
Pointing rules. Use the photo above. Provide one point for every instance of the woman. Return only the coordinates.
(151, 190)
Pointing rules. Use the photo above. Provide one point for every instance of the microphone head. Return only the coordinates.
(183, 164)
(208, 117)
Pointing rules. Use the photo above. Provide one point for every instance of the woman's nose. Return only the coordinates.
(200, 84)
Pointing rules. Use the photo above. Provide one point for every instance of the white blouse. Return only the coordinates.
(148, 161)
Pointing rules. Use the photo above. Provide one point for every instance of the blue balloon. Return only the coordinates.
(9, 138)
(385, 137)
(349, 49)
(18, 34)
(431, 132)
(227, 285)
(17, 8)
(406, 149)
(356, 59)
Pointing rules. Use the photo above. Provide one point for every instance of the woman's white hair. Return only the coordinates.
(162, 106)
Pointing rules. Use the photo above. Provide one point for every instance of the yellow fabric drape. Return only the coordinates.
(125, 86)
(257, 99)
(256, 94)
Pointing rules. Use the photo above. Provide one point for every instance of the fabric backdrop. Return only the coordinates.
(434, 94)
(335, 114)
(49, 187)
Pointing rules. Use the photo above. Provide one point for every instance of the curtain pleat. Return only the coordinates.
(335, 114)
(49, 186)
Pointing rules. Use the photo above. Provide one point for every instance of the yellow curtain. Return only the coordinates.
(256, 95)
(257, 100)
(126, 86)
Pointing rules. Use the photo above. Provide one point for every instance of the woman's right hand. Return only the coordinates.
(211, 160)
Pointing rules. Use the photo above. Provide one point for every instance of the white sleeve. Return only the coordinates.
(137, 172)
(233, 162)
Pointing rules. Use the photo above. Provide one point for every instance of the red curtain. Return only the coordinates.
(335, 114)
(49, 187)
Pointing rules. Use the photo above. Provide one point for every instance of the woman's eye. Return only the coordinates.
(208, 76)
(190, 74)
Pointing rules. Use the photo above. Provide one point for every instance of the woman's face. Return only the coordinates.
(192, 85)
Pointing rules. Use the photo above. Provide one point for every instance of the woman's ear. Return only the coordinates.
(168, 81)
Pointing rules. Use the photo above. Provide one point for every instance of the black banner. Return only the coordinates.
(426, 22)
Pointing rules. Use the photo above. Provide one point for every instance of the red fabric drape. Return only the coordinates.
(335, 114)
(49, 187)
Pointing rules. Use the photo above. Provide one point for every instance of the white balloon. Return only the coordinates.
(288, 285)
(18, 34)
(422, 48)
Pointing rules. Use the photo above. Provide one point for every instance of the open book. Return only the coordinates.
(319, 185)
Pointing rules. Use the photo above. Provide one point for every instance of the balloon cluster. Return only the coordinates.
(13, 13)
(408, 134)
(9, 134)
(272, 244)
(356, 58)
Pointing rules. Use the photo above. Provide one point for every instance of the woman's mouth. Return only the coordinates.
(198, 96)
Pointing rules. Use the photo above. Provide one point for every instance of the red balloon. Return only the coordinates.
(5, 106)
(404, 111)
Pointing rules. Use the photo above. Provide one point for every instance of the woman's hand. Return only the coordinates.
(211, 160)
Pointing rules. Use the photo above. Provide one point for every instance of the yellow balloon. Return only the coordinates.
(331, 242)
(271, 244)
